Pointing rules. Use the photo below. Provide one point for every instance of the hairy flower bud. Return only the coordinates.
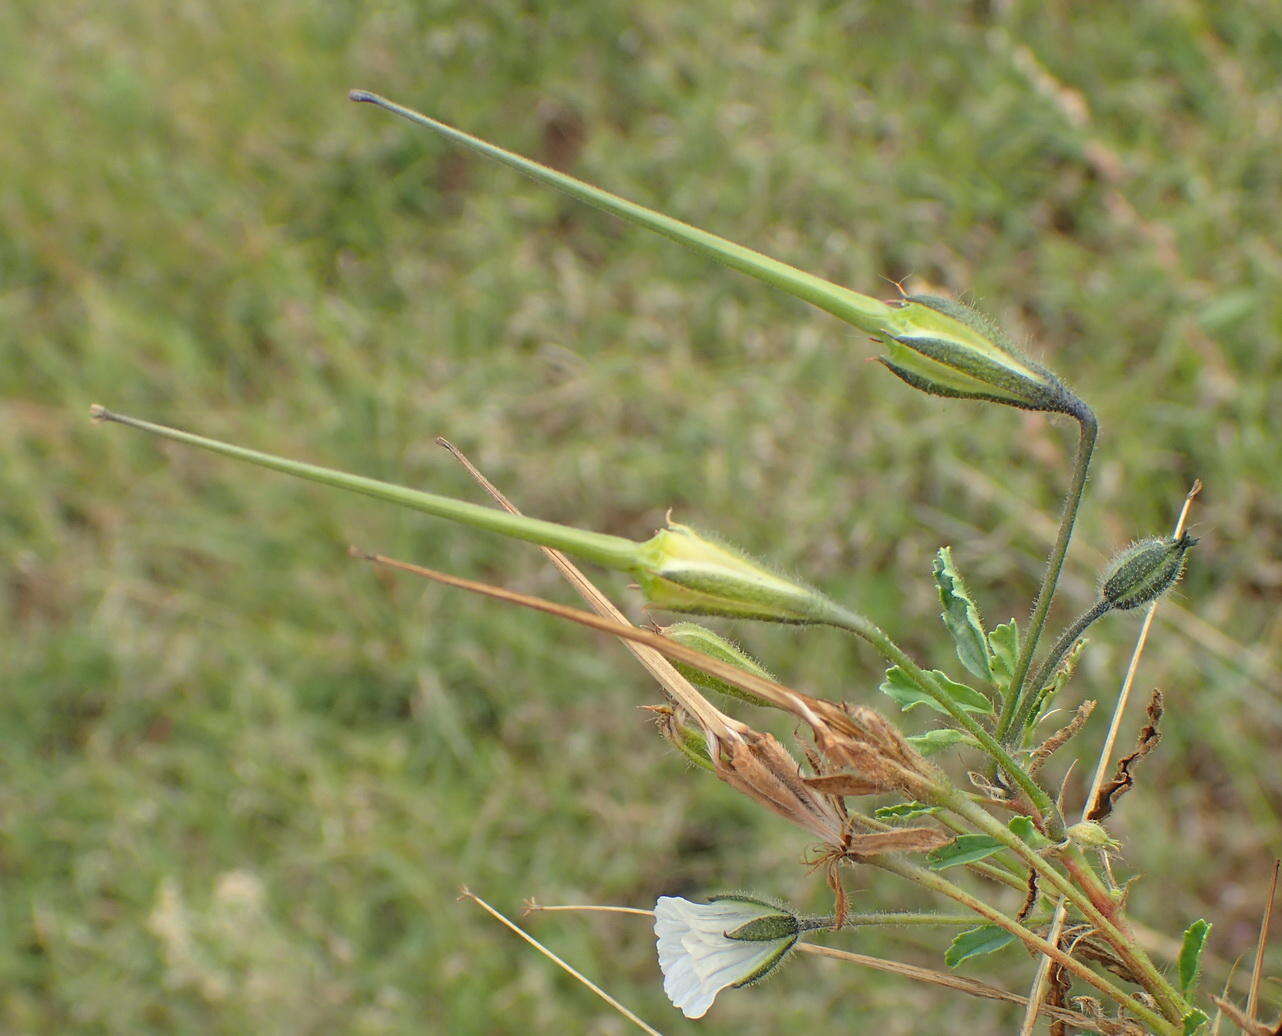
(1145, 571)
(684, 571)
(692, 635)
(1091, 834)
(948, 349)
(689, 741)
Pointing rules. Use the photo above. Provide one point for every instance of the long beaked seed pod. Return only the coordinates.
(935, 344)
(678, 568)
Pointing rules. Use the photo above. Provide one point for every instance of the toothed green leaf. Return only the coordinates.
(902, 688)
(1193, 1021)
(1191, 953)
(961, 616)
(1027, 830)
(1061, 676)
(1003, 642)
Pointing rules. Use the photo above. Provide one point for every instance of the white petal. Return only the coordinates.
(697, 959)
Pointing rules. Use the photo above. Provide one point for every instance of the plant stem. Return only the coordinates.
(1046, 670)
(1089, 430)
(931, 880)
(1091, 899)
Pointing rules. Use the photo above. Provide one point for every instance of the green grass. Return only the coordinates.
(243, 776)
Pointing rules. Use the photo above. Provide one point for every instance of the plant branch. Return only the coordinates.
(1096, 908)
(1089, 430)
(930, 880)
(1046, 670)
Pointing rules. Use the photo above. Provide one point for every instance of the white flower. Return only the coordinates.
(705, 947)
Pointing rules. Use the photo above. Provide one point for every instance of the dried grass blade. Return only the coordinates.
(1257, 969)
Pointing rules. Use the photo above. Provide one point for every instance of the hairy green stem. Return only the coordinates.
(1089, 430)
(892, 918)
(1047, 669)
(934, 882)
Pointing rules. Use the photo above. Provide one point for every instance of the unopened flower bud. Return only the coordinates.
(1145, 571)
(684, 571)
(948, 349)
(1091, 834)
(692, 635)
(690, 741)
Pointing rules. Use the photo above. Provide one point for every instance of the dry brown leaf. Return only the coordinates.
(1060, 738)
(846, 784)
(900, 840)
(1123, 780)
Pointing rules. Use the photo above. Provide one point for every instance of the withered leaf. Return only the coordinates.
(901, 840)
(1030, 899)
(1123, 780)
(1060, 738)
(846, 784)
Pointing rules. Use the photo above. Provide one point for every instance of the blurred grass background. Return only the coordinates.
(243, 776)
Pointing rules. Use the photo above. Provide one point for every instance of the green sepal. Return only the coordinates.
(691, 743)
(961, 616)
(766, 929)
(768, 965)
(963, 849)
(1145, 571)
(904, 691)
(683, 570)
(976, 942)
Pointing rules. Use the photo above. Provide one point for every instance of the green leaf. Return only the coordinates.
(976, 942)
(1027, 830)
(1003, 642)
(937, 740)
(961, 616)
(1191, 953)
(904, 690)
(904, 811)
(963, 849)
(1193, 1021)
